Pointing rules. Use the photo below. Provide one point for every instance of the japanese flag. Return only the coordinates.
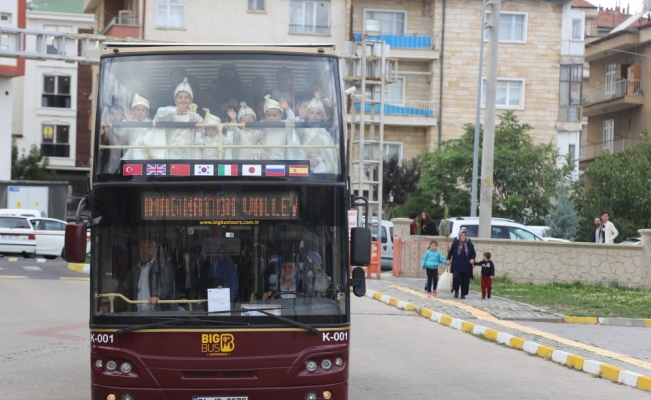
(251, 170)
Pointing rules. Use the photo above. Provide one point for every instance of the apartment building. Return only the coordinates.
(52, 99)
(614, 101)
(435, 42)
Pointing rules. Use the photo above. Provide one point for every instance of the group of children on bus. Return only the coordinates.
(177, 143)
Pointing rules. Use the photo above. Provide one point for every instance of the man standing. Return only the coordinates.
(598, 231)
(610, 233)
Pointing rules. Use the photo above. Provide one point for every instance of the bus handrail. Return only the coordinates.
(226, 146)
(112, 296)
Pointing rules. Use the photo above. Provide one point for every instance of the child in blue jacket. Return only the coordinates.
(431, 261)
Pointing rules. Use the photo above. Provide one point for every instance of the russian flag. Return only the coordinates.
(275, 170)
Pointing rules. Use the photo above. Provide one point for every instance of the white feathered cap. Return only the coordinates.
(139, 100)
(271, 104)
(210, 119)
(316, 103)
(184, 87)
(244, 110)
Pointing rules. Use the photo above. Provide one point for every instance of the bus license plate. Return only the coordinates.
(222, 398)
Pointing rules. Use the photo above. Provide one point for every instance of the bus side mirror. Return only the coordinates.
(75, 242)
(358, 282)
(360, 247)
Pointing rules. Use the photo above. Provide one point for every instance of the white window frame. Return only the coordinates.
(56, 87)
(303, 32)
(5, 18)
(525, 28)
(167, 4)
(255, 4)
(608, 135)
(385, 153)
(404, 27)
(611, 78)
(581, 26)
(54, 141)
(400, 102)
(502, 106)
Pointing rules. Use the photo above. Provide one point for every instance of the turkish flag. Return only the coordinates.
(132, 169)
(180, 169)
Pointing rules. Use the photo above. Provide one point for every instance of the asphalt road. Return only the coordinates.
(44, 351)
(17, 267)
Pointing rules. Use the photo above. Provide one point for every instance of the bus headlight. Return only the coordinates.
(310, 396)
(339, 361)
(326, 364)
(125, 368)
(111, 365)
(311, 367)
(327, 395)
(99, 364)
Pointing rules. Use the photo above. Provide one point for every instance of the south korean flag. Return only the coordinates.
(204, 170)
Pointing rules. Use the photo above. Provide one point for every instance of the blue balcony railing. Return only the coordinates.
(401, 41)
(416, 108)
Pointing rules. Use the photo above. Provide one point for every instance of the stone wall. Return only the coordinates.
(540, 262)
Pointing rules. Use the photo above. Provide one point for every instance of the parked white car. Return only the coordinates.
(386, 239)
(21, 212)
(501, 228)
(17, 236)
(50, 237)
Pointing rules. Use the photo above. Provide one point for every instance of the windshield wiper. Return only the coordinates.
(309, 328)
(174, 321)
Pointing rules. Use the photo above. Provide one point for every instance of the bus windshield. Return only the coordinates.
(173, 250)
(177, 113)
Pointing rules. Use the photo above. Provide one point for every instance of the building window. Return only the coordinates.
(256, 5)
(391, 22)
(5, 18)
(611, 78)
(571, 150)
(608, 135)
(510, 94)
(396, 92)
(571, 77)
(309, 17)
(56, 91)
(513, 27)
(50, 41)
(390, 149)
(55, 141)
(577, 29)
(170, 14)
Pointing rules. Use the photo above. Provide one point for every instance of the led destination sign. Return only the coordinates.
(209, 206)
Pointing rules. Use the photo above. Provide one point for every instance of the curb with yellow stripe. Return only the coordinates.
(611, 372)
(641, 322)
(80, 268)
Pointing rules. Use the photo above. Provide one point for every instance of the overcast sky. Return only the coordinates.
(636, 5)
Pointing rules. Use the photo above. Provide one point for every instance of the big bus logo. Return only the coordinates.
(215, 344)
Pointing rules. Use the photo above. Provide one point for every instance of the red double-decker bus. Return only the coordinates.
(220, 246)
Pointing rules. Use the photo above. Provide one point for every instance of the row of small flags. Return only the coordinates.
(222, 170)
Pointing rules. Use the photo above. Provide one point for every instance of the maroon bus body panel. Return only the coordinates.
(260, 364)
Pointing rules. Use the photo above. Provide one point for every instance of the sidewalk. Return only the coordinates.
(618, 346)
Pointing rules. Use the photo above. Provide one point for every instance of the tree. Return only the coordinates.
(619, 184)
(398, 181)
(525, 176)
(32, 166)
(563, 218)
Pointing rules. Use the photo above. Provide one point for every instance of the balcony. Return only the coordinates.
(410, 113)
(56, 149)
(122, 27)
(411, 48)
(619, 95)
(592, 151)
(570, 118)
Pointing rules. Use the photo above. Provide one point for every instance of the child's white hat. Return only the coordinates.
(271, 104)
(210, 119)
(244, 110)
(184, 87)
(316, 103)
(139, 100)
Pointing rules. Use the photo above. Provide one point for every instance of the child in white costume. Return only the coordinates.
(322, 159)
(183, 111)
(136, 136)
(211, 138)
(273, 111)
(244, 136)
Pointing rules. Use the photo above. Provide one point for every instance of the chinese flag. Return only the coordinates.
(180, 169)
(132, 169)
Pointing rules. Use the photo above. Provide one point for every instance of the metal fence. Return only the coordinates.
(402, 41)
(567, 113)
(592, 151)
(614, 90)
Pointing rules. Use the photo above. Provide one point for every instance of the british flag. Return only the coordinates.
(156, 169)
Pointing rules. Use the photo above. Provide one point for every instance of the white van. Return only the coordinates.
(21, 212)
(386, 239)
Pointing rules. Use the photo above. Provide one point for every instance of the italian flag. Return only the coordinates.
(227, 170)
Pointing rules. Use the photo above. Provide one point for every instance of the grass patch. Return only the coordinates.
(575, 299)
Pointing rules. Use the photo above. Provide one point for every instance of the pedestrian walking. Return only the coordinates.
(610, 232)
(427, 225)
(487, 274)
(462, 258)
(598, 231)
(431, 261)
(413, 227)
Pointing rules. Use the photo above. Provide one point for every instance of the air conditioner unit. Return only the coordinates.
(125, 17)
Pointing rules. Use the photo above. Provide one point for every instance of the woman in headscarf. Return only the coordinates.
(427, 225)
(184, 110)
(462, 258)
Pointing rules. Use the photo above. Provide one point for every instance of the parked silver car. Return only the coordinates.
(17, 236)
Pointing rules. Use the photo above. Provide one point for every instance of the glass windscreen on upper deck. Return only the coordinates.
(189, 114)
(219, 250)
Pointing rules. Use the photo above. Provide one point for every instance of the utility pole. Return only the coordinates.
(475, 156)
(486, 198)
